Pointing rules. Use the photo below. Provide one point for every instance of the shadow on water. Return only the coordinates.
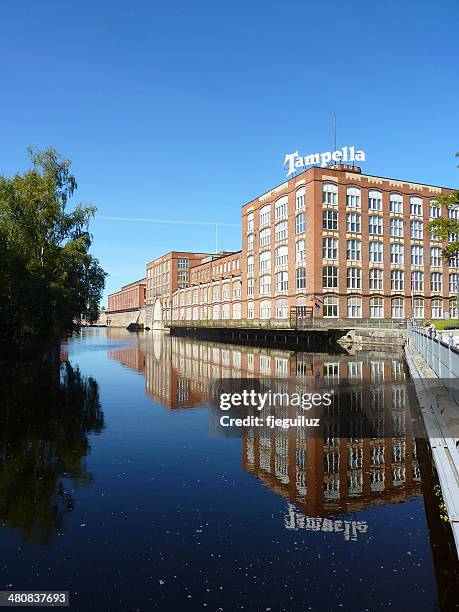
(46, 415)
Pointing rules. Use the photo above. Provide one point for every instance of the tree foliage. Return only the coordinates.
(444, 227)
(49, 282)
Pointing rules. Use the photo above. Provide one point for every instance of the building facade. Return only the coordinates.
(129, 297)
(329, 243)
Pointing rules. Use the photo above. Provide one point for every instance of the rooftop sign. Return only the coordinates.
(346, 155)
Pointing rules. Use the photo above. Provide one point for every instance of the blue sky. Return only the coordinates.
(185, 110)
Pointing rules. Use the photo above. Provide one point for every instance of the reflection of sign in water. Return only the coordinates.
(297, 520)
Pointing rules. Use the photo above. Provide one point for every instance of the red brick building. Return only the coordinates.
(129, 297)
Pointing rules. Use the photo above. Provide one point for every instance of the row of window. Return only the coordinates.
(280, 209)
(354, 308)
(397, 280)
(375, 198)
(375, 252)
(202, 295)
(280, 282)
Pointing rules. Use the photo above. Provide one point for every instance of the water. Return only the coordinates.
(112, 488)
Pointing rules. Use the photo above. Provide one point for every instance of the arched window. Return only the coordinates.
(282, 309)
(250, 310)
(265, 284)
(216, 312)
(237, 310)
(265, 236)
(396, 203)
(330, 248)
(436, 281)
(281, 230)
(281, 282)
(418, 312)
(301, 278)
(397, 280)
(265, 261)
(353, 197)
(237, 290)
(434, 209)
(397, 308)
(265, 309)
(435, 257)
(376, 308)
(417, 255)
(281, 256)
(416, 206)
(354, 307)
(300, 198)
(225, 311)
(265, 215)
(281, 207)
(437, 309)
(250, 265)
(330, 277)
(330, 306)
(330, 194)
(453, 308)
(374, 200)
(417, 281)
(250, 223)
(300, 250)
(250, 242)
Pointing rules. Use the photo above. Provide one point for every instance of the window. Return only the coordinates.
(250, 287)
(300, 198)
(376, 308)
(396, 203)
(353, 250)
(250, 242)
(330, 277)
(281, 231)
(250, 223)
(330, 219)
(435, 257)
(250, 310)
(417, 255)
(281, 207)
(353, 223)
(265, 236)
(376, 252)
(396, 253)
(352, 197)
(265, 215)
(354, 307)
(417, 281)
(453, 308)
(182, 263)
(216, 312)
(300, 248)
(396, 280)
(330, 194)
(301, 278)
(354, 278)
(281, 282)
(299, 223)
(397, 308)
(374, 200)
(281, 256)
(281, 309)
(330, 306)
(237, 290)
(416, 206)
(225, 311)
(453, 237)
(375, 225)
(250, 265)
(418, 312)
(265, 261)
(434, 210)
(453, 283)
(436, 281)
(396, 227)
(226, 294)
(330, 248)
(416, 229)
(182, 276)
(437, 309)
(454, 262)
(265, 309)
(376, 279)
(265, 285)
(236, 310)
(453, 212)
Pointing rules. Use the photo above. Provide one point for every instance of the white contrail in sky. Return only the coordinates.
(173, 221)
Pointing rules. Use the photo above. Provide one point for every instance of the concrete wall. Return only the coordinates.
(125, 318)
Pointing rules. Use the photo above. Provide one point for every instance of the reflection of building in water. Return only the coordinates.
(322, 476)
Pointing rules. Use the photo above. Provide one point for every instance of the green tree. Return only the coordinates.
(444, 226)
(49, 282)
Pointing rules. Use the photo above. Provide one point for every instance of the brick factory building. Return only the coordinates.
(330, 242)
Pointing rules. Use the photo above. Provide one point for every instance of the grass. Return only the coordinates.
(440, 325)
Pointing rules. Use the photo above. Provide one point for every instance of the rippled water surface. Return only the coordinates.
(112, 488)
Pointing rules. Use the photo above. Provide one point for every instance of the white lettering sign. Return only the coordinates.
(295, 161)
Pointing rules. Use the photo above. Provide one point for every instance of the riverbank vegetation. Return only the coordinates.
(49, 282)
